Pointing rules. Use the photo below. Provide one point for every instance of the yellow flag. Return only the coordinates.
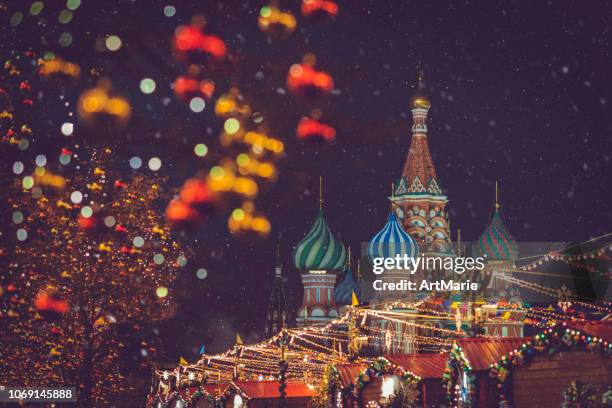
(238, 339)
(182, 361)
(354, 300)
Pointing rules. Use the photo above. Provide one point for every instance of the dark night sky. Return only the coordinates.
(520, 90)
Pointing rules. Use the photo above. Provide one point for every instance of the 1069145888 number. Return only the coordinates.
(37, 394)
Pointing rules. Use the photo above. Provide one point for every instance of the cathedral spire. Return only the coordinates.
(496, 195)
(278, 268)
(418, 196)
(320, 192)
(278, 311)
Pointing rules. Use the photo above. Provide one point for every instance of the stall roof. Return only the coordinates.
(602, 328)
(482, 352)
(423, 365)
(269, 389)
(348, 372)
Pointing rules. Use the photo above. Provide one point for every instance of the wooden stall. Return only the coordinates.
(341, 381)
(430, 368)
(466, 376)
(537, 374)
(380, 383)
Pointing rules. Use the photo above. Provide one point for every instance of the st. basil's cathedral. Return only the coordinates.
(417, 223)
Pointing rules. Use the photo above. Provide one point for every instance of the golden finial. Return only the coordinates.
(320, 192)
(496, 195)
(392, 195)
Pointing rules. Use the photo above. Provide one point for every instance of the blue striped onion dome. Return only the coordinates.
(344, 290)
(319, 250)
(392, 240)
(496, 243)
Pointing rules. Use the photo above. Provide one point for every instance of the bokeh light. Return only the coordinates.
(73, 4)
(158, 259)
(110, 221)
(200, 150)
(147, 86)
(65, 39)
(28, 182)
(231, 126)
(41, 160)
(169, 11)
(155, 163)
(161, 292)
(65, 159)
(197, 104)
(22, 234)
(113, 43)
(18, 167)
(67, 128)
(201, 273)
(86, 211)
(76, 197)
(17, 217)
(135, 162)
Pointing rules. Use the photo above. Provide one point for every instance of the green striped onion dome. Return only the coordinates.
(319, 250)
(496, 243)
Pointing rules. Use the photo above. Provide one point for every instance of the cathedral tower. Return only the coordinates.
(418, 198)
(319, 256)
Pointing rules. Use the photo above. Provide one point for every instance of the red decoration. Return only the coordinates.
(306, 80)
(178, 213)
(313, 130)
(190, 38)
(87, 223)
(319, 8)
(186, 87)
(120, 184)
(46, 301)
(195, 192)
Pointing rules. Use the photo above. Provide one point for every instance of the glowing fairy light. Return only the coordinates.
(147, 86)
(76, 197)
(113, 43)
(18, 167)
(155, 163)
(161, 292)
(197, 104)
(200, 150)
(135, 162)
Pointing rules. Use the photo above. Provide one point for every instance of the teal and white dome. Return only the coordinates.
(319, 250)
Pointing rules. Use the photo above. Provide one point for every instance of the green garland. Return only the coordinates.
(458, 362)
(551, 341)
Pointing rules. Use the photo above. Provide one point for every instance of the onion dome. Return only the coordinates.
(392, 240)
(343, 294)
(496, 243)
(319, 250)
(420, 101)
